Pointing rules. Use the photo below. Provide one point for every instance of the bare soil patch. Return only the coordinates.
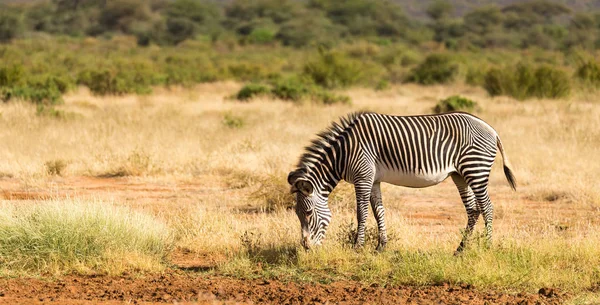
(185, 287)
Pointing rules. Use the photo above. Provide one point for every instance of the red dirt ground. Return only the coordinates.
(182, 284)
(187, 288)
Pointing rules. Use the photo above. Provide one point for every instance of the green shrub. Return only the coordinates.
(38, 95)
(551, 83)
(589, 72)
(436, 69)
(475, 77)
(455, 103)
(252, 90)
(382, 85)
(10, 76)
(329, 98)
(107, 82)
(247, 71)
(261, 36)
(290, 90)
(333, 70)
(103, 82)
(525, 81)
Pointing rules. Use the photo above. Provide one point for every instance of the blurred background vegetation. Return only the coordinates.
(295, 49)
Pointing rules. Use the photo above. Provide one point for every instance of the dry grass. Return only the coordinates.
(179, 136)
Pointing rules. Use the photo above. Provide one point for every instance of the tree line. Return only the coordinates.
(542, 24)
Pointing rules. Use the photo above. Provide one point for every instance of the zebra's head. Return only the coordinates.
(311, 208)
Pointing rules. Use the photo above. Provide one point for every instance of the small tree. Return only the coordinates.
(11, 25)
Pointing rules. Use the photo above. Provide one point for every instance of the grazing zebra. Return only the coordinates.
(366, 149)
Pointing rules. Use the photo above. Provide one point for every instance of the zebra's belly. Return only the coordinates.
(413, 179)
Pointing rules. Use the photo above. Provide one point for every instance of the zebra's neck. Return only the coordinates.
(324, 168)
(325, 160)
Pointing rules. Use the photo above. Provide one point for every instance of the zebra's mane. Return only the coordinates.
(315, 150)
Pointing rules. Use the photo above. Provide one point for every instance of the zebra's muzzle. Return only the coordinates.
(306, 242)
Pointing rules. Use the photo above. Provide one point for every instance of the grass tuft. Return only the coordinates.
(75, 236)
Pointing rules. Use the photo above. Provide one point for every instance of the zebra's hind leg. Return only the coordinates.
(379, 211)
(470, 202)
(484, 204)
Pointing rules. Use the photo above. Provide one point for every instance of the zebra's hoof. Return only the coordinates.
(380, 247)
(357, 246)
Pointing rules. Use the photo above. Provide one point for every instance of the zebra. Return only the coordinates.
(366, 149)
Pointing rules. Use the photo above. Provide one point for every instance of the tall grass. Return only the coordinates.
(76, 236)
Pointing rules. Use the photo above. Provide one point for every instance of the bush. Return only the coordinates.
(589, 72)
(436, 69)
(329, 98)
(261, 36)
(38, 95)
(11, 24)
(10, 76)
(525, 81)
(290, 90)
(102, 82)
(111, 82)
(333, 70)
(551, 83)
(252, 90)
(475, 76)
(293, 90)
(455, 103)
(247, 71)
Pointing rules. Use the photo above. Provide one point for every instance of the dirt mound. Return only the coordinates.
(176, 286)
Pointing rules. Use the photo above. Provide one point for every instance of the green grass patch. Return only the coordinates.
(567, 265)
(75, 236)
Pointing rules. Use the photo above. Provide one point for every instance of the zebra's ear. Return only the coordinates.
(293, 176)
(304, 187)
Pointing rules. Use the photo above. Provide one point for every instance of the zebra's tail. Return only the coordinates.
(507, 172)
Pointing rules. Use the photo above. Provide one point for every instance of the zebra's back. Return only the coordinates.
(420, 151)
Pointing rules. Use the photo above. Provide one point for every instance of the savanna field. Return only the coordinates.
(145, 146)
(190, 185)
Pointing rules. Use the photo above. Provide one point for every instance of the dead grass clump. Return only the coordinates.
(55, 167)
(552, 196)
(233, 121)
(137, 164)
(274, 194)
(347, 233)
(238, 178)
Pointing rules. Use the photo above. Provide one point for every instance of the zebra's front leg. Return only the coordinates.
(379, 212)
(470, 202)
(362, 211)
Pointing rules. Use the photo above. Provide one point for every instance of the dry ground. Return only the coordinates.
(181, 156)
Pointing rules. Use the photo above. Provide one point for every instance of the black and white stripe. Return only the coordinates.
(366, 149)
